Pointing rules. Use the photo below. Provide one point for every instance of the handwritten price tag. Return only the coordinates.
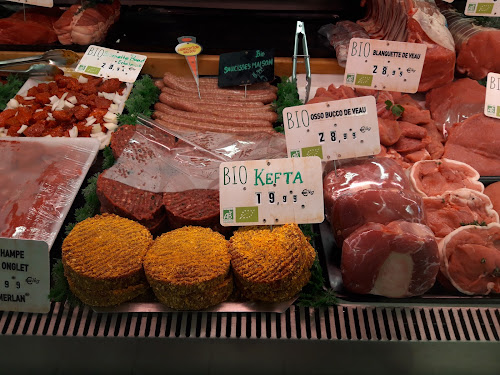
(333, 130)
(485, 8)
(110, 63)
(40, 3)
(384, 65)
(271, 192)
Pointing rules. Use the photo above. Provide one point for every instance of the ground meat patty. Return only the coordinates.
(120, 139)
(198, 207)
(126, 201)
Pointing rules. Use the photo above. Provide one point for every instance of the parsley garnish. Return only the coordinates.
(396, 109)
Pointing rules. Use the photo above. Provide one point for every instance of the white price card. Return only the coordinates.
(492, 101)
(110, 63)
(24, 275)
(40, 3)
(271, 192)
(334, 130)
(384, 65)
(484, 8)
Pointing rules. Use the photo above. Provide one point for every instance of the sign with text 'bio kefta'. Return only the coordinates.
(334, 130)
(384, 65)
(246, 67)
(110, 63)
(271, 192)
(40, 3)
(484, 8)
(492, 101)
(24, 275)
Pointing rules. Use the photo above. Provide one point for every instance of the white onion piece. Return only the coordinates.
(110, 126)
(100, 136)
(90, 120)
(106, 141)
(47, 136)
(22, 129)
(12, 104)
(84, 106)
(96, 128)
(29, 98)
(82, 79)
(73, 132)
(113, 108)
(118, 99)
(68, 104)
(108, 95)
(39, 110)
(73, 100)
(110, 117)
(53, 99)
(64, 96)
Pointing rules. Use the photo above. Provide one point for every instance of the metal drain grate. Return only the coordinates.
(344, 322)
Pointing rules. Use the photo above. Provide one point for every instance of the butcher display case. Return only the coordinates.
(437, 333)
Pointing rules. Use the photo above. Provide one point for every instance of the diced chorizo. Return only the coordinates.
(35, 130)
(33, 91)
(43, 97)
(62, 116)
(24, 115)
(41, 115)
(83, 129)
(12, 122)
(102, 102)
(81, 112)
(12, 132)
(110, 85)
(5, 115)
(53, 89)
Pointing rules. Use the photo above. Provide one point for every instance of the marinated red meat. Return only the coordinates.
(435, 177)
(396, 260)
(453, 209)
(470, 259)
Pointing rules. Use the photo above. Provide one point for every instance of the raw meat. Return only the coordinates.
(477, 47)
(470, 259)
(435, 177)
(339, 36)
(389, 131)
(396, 260)
(453, 209)
(493, 192)
(37, 29)
(455, 102)
(86, 25)
(415, 21)
(351, 211)
(476, 141)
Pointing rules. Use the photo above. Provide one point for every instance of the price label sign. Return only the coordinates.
(271, 192)
(246, 67)
(24, 275)
(110, 63)
(492, 101)
(485, 8)
(333, 130)
(384, 65)
(40, 3)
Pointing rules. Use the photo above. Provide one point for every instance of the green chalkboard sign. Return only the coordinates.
(246, 67)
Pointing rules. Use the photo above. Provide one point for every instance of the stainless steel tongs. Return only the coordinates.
(59, 57)
(302, 31)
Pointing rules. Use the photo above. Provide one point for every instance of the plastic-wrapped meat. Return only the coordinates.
(435, 177)
(366, 190)
(476, 141)
(414, 21)
(470, 259)
(351, 211)
(453, 209)
(477, 47)
(339, 36)
(455, 102)
(396, 260)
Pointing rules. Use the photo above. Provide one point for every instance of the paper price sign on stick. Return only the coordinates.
(110, 63)
(188, 48)
(40, 3)
(333, 130)
(492, 101)
(271, 192)
(24, 275)
(484, 8)
(384, 65)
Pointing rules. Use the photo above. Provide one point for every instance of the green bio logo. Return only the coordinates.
(364, 79)
(471, 8)
(498, 111)
(295, 154)
(92, 70)
(228, 215)
(247, 214)
(491, 109)
(350, 79)
(313, 151)
(484, 8)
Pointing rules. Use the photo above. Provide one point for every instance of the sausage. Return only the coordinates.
(218, 109)
(212, 82)
(265, 96)
(202, 126)
(213, 99)
(159, 83)
(169, 111)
